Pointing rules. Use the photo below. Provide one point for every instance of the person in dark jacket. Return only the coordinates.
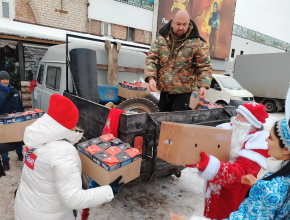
(10, 101)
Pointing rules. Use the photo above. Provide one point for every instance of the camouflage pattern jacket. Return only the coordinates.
(175, 72)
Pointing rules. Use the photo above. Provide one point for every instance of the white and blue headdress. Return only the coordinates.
(282, 129)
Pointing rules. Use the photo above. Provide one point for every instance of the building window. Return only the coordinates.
(5, 9)
(146, 4)
(242, 52)
(106, 29)
(53, 77)
(130, 34)
(233, 53)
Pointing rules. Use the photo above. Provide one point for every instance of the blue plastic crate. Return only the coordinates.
(108, 94)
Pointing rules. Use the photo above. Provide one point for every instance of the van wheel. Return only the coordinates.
(270, 106)
(223, 103)
(154, 97)
(138, 105)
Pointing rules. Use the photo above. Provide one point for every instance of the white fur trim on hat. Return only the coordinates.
(249, 116)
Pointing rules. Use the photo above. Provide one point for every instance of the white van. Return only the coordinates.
(225, 90)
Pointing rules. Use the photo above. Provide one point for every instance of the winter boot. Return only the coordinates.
(20, 157)
(6, 165)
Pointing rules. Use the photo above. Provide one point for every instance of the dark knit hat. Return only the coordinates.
(4, 75)
(63, 111)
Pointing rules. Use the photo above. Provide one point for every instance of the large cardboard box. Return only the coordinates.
(127, 93)
(181, 144)
(104, 177)
(14, 132)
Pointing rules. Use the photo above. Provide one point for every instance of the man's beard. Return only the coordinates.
(240, 132)
(182, 36)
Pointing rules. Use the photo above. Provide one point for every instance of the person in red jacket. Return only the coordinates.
(224, 191)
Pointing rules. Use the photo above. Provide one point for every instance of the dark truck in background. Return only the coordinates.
(60, 73)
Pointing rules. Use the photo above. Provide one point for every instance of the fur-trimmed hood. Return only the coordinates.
(165, 30)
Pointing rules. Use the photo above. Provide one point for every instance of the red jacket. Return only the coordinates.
(224, 191)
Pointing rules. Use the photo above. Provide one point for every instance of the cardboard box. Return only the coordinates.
(104, 177)
(181, 144)
(147, 86)
(103, 164)
(127, 93)
(193, 103)
(13, 132)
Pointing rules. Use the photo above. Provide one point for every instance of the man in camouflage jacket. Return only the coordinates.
(179, 61)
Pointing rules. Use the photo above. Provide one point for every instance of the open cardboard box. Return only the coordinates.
(181, 144)
(104, 177)
(127, 93)
(147, 86)
(193, 102)
(14, 132)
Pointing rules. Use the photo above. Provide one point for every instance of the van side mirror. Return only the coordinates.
(216, 87)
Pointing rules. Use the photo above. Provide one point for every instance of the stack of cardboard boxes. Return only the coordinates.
(12, 126)
(107, 157)
(127, 90)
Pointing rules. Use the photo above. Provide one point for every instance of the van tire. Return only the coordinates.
(138, 105)
(270, 106)
(152, 98)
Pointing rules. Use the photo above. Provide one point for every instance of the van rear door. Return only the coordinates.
(36, 100)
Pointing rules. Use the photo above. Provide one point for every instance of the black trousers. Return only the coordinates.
(6, 147)
(173, 102)
(2, 172)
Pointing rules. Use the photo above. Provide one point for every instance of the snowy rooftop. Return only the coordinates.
(25, 30)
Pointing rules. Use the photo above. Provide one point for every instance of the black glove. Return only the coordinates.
(116, 186)
(10, 94)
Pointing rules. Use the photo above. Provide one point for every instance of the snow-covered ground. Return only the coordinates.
(137, 200)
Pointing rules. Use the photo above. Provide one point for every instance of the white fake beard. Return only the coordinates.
(240, 132)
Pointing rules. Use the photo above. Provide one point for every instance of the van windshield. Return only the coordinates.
(230, 83)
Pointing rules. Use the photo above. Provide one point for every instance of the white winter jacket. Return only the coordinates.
(53, 188)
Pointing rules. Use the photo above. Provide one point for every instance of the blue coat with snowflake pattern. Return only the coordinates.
(265, 200)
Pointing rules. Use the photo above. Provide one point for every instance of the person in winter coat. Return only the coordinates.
(178, 62)
(51, 185)
(269, 198)
(224, 191)
(10, 101)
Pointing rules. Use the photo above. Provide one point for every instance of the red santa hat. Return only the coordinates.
(255, 113)
(63, 111)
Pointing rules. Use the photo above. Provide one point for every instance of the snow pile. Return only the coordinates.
(26, 30)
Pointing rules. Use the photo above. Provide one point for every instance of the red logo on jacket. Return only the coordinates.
(30, 160)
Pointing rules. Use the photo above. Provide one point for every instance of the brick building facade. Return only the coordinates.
(71, 15)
